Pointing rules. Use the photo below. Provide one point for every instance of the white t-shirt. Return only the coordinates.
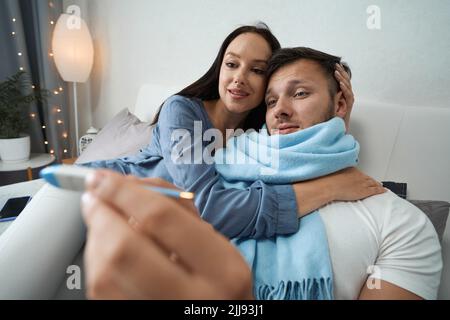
(389, 233)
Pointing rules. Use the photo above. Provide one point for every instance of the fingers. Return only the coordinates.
(342, 74)
(158, 182)
(169, 225)
(370, 182)
(117, 179)
(374, 187)
(185, 236)
(345, 84)
(346, 90)
(381, 190)
(113, 249)
(103, 228)
(346, 87)
(126, 193)
(371, 191)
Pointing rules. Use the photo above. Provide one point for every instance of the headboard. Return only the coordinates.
(398, 143)
(405, 144)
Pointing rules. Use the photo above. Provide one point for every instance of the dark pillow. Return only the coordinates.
(399, 188)
(437, 212)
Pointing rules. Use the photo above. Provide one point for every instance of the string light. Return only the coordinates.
(56, 91)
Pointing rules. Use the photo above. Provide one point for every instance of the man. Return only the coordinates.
(383, 233)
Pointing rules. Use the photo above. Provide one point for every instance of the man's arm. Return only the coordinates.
(386, 291)
(409, 259)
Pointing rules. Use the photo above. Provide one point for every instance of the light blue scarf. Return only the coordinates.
(297, 266)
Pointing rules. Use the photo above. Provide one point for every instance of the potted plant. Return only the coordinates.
(16, 95)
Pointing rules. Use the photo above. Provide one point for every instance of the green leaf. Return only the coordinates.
(16, 96)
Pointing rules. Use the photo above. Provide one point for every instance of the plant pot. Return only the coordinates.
(15, 150)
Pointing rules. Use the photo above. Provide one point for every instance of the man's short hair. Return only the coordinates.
(326, 61)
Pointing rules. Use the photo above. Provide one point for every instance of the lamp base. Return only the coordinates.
(75, 111)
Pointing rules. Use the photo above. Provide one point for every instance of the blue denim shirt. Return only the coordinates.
(258, 211)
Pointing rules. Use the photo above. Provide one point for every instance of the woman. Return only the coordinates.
(230, 96)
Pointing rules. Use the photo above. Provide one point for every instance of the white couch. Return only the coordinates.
(412, 145)
(403, 144)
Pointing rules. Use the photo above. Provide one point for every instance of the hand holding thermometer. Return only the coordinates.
(73, 178)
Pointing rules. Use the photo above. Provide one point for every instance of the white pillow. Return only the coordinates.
(123, 136)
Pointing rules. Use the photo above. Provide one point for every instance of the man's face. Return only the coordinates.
(298, 97)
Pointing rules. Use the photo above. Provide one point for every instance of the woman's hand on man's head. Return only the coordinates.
(345, 85)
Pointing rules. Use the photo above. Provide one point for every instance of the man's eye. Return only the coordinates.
(300, 94)
(270, 102)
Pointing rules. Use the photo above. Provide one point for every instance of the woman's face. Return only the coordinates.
(242, 80)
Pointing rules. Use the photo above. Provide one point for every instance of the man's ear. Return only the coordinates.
(341, 108)
(340, 105)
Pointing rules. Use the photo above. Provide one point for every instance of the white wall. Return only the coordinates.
(173, 42)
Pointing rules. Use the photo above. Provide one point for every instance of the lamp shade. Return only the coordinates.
(73, 51)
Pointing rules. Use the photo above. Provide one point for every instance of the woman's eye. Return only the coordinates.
(230, 64)
(259, 71)
(300, 94)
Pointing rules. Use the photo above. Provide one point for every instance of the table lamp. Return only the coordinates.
(73, 53)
